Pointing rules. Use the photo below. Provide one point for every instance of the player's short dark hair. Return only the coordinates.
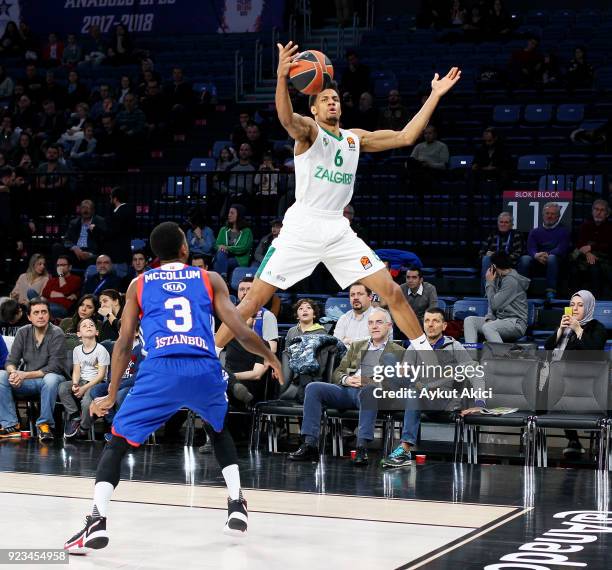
(360, 284)
(166, 240)
(9, 310)
(415, 268)
(315, 307)
(329, 85)
(37, 301)
(437, 311)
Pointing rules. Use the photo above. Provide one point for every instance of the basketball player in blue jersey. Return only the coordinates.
(176, 304)
(314, 228)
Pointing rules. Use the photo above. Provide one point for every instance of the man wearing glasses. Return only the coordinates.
(62, 291)
(354, 373)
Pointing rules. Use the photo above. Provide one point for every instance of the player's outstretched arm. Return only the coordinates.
(122, 351)
(228, 313)
(378, 141)
(300, 128)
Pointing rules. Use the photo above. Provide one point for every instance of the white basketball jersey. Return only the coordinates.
(325, 173)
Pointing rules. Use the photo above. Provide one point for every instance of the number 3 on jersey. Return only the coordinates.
(338, 160)
(182, 321)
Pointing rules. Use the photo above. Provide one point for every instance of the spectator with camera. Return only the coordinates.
(577, 332)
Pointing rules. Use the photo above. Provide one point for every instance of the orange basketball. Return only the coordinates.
(311, 72)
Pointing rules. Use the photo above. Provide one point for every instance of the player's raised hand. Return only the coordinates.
(285, 58)
(441, 85)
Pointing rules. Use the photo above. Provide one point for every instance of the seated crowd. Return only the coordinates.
(70, 362)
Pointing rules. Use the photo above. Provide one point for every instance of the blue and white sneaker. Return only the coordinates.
(399, 457)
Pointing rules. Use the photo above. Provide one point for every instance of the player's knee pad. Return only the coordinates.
(109, 467)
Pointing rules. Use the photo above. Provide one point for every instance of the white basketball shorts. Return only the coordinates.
(309, 237)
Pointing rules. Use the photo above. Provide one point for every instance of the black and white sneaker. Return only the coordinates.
(72, 427)
(92, 537)
(237, 516)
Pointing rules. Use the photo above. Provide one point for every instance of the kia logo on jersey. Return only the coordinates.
(174, 287)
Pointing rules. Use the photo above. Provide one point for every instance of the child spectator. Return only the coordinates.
(90, 364)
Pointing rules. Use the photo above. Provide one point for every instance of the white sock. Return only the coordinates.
(421, 343)
(218, 350)
(103, 492)
(232, 480)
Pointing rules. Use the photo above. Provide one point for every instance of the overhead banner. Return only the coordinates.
(144, 16)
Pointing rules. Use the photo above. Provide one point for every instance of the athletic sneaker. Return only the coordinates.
(206, 448)
(45, 435)
(72, 426)
(237, 516)
(10, 432)
(92, 537)
(399, 457)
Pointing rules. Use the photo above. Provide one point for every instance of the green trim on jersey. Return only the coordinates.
(332, 134)
(265, 260)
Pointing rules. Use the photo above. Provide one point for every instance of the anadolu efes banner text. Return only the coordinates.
(144, 16)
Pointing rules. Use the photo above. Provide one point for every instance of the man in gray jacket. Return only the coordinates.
(42, 348)
(506, 291)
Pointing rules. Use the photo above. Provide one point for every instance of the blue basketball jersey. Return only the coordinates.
(177, 316)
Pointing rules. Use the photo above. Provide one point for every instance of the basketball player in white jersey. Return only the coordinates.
(314, 229)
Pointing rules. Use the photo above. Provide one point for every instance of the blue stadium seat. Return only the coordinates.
(239, 274)
(507, 114)
(590, 182)
(459, 271)
(199, 164)
(89, 272)
(570, 113)
(218, 146)
(178, 186)
(533, 162)
(532, 310)
(460, 161)
(470, 308)
(603, 313)
(538, 114)
(335, 306)
(138, 244)
(555, 182)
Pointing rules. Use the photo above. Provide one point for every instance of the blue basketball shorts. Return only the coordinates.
(164, 386)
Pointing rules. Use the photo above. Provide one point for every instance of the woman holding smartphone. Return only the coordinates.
(578, 330)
